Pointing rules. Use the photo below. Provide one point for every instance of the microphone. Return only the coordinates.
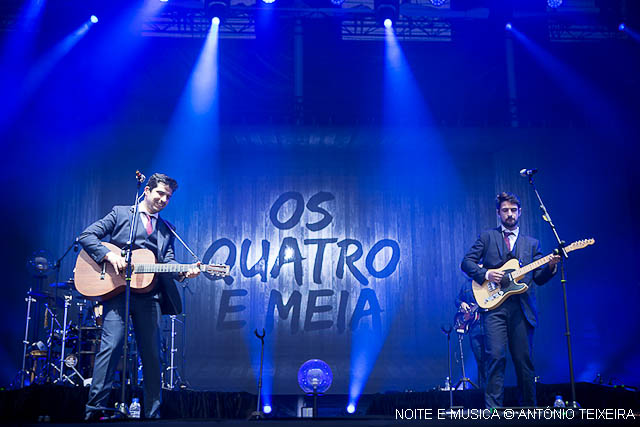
(526, 173)
(140, 177)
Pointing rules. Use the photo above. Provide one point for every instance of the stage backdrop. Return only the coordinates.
(345, 246)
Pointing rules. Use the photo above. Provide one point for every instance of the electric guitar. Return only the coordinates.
(490, 295)
(464, 320)
(101, 282)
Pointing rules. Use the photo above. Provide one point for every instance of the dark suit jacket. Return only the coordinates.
(491, 251)
(116, 225)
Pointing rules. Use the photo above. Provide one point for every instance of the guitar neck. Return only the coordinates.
(162, 268)
(530, 267)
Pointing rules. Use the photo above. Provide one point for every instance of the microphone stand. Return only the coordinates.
(560, 250)
(127, 250)
(447, 331)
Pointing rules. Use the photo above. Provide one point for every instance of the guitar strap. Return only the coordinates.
(179, 239)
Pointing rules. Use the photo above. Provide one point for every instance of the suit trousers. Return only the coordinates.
(507, 326)
(476, 339)
(145, 314)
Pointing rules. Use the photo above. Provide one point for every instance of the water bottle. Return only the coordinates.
(558, 403)
(134, 409)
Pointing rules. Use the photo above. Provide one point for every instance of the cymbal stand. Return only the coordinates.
(54, 321)
(29, 299)
(172, 351)
(67, 303)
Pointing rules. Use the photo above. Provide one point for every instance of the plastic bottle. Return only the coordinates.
(558, 403)
(134, 409)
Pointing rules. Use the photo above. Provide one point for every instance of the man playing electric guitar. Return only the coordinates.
(153, 234)
(512, 323)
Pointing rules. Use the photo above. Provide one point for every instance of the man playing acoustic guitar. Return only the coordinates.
(162, 298)
(513, 321)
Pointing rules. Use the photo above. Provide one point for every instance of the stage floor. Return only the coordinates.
(62, 405)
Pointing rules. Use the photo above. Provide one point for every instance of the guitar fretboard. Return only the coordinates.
(162, 268)
(530, 267)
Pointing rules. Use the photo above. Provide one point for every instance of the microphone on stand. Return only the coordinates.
(526, 173)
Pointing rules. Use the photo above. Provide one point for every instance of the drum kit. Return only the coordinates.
(63, 330)
(65, 350)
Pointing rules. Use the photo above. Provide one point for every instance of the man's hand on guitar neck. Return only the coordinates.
(193, 272)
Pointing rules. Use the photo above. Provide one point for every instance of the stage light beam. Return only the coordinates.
(94, 19)
(388, 23)
(351, 408)
(508, 26)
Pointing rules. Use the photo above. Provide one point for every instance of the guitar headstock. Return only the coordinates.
(579, 244)
(221, 270)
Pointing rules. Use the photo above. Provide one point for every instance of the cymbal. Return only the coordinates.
(60, 285)
(42, 296)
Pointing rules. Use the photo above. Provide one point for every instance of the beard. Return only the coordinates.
(509, 223)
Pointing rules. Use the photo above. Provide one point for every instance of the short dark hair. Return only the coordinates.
(157, 178)
(507, 197)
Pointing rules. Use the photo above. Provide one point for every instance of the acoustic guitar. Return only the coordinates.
(491, 295)
(100, 281)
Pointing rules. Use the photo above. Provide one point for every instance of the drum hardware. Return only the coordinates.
(67, 303)
(25, 342)
(173, 370)
(71, 361)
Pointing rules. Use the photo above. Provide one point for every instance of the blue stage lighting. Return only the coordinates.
(554, 3)
(215, 20)
(621, 27)
(94, 19)
(388, 23)
(337, 2)
(164, 1)
(438, 3)
(351, 408)
(266, 409)
(508, 27)
(268, 1)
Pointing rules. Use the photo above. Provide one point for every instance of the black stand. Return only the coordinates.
(56, 267)
(464, 381)
(258, 414)
(447, 331)
(561, 251)
(127, 250)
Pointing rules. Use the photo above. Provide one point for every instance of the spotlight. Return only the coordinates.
(164, 1)
(508, 27)
(337, 2)
(386, 11)
(554, 4)
(622, 27)
(268, 1)
(94, 19)
(351, 408)
(266, 409)
(216, 9)
(438, 3)
(215, 20)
